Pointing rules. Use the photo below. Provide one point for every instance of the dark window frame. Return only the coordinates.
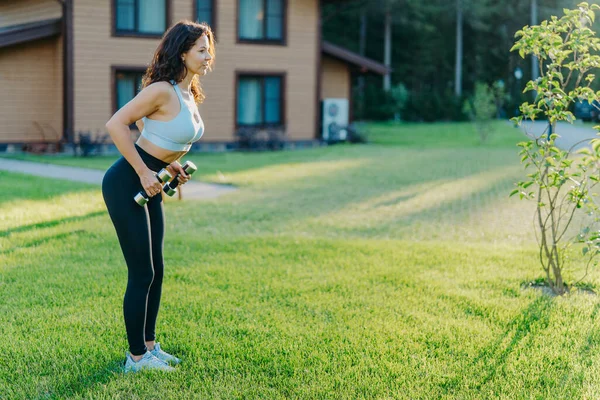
(264, 40)
(213, 17)
(282, 94)
(115, 69)
(117, 33)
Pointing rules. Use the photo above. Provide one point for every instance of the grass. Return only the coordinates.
(214, 167)
(375, 271)
(443, 135)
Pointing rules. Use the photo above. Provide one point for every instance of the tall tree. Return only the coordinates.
(387, 79)
(459, 49)
(362, 43)
(535, 71)
(476, 12)
(423, 46)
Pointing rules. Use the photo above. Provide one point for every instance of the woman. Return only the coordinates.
(170, 123)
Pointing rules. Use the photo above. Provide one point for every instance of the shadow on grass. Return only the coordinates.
(494, 357)
(570, 378)
(43, 240)
(50, 224)
(87, 380)
(333, 202)
(451, 210)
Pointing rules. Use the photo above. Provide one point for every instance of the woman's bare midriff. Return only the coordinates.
(162, 154)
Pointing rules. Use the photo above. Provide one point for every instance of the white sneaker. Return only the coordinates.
(148, 361)
(164, 356)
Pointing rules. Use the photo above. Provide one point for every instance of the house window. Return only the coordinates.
(140, 17)
(128, 85)
(261, 20)
(259, 101)
(205, 11)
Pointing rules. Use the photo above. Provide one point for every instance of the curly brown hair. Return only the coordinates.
(166, 63)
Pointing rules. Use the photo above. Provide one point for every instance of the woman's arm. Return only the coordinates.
(149, 100)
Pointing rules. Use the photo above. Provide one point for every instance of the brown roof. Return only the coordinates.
(353, 58)
(15, 34)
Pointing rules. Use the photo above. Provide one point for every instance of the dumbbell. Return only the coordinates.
(142, 198)
(171, 187)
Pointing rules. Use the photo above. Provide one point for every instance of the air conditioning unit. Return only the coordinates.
(334, 119)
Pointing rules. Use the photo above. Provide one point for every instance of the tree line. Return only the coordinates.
(439, 52)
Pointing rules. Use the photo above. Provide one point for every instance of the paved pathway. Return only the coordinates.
(191, 190)
(570, 134)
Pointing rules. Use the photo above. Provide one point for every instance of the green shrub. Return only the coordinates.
(481, 109)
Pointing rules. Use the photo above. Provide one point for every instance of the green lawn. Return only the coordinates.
(375, 271)
(442, 134)
(216, 167)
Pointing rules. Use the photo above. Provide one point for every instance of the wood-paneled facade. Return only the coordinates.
(32, 73)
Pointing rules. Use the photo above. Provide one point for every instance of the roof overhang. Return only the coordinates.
(21, 33)
(364, 63)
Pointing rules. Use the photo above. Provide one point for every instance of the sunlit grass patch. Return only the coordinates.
(343, 272)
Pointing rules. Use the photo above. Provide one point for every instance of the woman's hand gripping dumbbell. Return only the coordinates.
(188, 168)
(163, 176)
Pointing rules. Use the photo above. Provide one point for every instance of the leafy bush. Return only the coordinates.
(428, 106)
(481, 109)
(376, 104)
(561, 184)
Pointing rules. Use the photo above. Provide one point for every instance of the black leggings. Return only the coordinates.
(140, 231)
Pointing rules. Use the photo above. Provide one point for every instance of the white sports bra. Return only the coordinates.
(179, 133)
